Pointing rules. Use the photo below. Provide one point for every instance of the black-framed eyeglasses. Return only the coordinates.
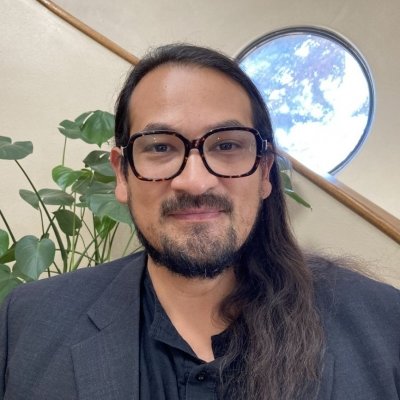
(227, 152)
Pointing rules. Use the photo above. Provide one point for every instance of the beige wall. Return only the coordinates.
(372, 26)
(333, 229)
(49, 72)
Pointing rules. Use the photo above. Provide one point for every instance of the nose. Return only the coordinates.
(195, 179)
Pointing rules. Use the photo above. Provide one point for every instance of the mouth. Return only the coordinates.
(207, 207)
(197, 214)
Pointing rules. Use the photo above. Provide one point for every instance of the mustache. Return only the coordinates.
(185, 200)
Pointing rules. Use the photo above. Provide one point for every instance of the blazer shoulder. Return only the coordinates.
(75, 289)
(341, 289)
(361, 321)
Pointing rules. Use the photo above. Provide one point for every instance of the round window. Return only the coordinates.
(318, 90)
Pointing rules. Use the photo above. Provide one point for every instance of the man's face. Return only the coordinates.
(195, 223)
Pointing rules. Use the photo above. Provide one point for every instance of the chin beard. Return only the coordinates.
(198, 254)
(198, 257)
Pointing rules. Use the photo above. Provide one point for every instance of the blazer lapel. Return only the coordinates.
(106, 364)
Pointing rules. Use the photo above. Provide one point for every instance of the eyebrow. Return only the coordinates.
(155, 126)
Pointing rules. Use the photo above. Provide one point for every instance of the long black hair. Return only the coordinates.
(275, 336)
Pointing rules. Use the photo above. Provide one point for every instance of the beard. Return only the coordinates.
(199, 254)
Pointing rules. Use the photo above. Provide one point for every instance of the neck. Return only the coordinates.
(192, 304)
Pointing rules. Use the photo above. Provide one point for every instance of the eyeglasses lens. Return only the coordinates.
(230, 153)
(158, 156)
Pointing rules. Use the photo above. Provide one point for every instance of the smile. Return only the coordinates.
(196, 214)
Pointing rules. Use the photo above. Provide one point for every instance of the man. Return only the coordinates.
(222, 304)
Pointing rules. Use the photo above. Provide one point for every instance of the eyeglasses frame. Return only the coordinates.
(262, 147)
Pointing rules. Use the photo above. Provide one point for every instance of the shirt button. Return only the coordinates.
(201, 376)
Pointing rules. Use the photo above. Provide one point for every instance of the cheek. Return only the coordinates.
(145, 199)
(247, 200)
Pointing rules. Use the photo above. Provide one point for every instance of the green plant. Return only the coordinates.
(80, 218)
(285, 171)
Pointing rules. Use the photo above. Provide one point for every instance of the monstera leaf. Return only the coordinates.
(14, 151)
(33, 256)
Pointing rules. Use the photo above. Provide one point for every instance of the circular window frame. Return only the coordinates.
(350, 48)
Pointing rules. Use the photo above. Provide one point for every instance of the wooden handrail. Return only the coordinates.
(377, 216)
(87, 30)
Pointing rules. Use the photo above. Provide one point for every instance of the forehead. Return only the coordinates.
(188, 98)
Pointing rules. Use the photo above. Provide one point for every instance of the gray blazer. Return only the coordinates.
(77, 336)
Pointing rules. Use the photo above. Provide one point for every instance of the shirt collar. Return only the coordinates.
(160, 327)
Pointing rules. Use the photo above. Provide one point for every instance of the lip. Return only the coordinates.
(197, 214)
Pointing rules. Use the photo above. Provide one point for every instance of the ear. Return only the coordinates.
(121, 188)
(266, 165)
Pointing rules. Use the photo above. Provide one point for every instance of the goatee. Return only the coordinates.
(199, 254)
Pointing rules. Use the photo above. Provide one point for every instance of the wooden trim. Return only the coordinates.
(377, 216)
(87, 30)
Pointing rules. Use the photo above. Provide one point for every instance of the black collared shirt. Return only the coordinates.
(169, 369)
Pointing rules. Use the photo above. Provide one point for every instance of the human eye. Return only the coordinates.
(158, 148)
(226, 146)
(157, 145)
(230, 145)
(225, 143)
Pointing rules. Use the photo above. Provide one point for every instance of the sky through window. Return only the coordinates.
(319, 94)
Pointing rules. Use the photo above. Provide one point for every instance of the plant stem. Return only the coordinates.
(68, 247)
(87, 227)
(64, 151)
(56, 267)
(96, 254)
(55, 230)
(82, 256)
(74, 237)
(8, 227)
(42, 222)
(85, 252)
(111, 241)
(49, 226)
(128, 242)
(96, 244)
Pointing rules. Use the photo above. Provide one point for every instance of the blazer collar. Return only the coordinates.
(106, 364)
(121, 293)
